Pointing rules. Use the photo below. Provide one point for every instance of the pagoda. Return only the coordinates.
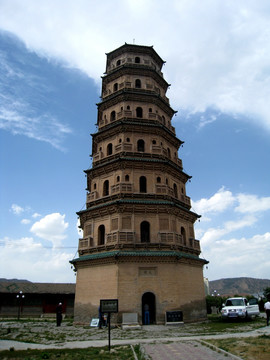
(138, 243)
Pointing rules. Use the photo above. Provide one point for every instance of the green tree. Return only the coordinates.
(266, 293)
(216, 301)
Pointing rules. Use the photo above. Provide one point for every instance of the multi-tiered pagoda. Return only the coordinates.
(138, 242)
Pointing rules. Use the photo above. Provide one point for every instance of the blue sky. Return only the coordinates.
(52, 55)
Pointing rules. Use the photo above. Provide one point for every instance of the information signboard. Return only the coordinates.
(174, 316)
(109, 306)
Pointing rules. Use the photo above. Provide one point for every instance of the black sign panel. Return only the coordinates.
(109, 306)
(174, 316)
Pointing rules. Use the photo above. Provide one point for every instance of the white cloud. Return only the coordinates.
(16, 209)
(18, 109)
(252, 203)
(18, 118)
(52, 227)
(217, 52)
(26, 258)
(219, 202)
(236, 257)
(230, 239)
(25, 221)
(212, 235)
(36, 215)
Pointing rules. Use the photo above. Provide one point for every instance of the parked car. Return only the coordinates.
(239, 307)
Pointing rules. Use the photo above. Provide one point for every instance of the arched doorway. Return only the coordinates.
(101, 235)
(145, 232)
(183, 233)
(149, 301)
(143, 184)
(140, 145)
(106, 188)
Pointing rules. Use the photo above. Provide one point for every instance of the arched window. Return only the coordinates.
(128, 139)
(145, 232)
(163, 119)
(127, 178)
(118, 62)
(169, 153)
(175, 190)
(128, 107)
(139, 112)
(140, 145)
(183, 233)
(138, 83)
(106, 188)
(109, 149)
(150, 110)
(143, 184)
(158, 180)
(115, 87)
(118, 178)
(113, 116)
(137, 60)
(101, 235)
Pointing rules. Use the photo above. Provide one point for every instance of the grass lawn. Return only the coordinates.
(246, 348)
(117, 352)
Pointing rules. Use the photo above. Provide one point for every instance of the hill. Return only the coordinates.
(239, 286)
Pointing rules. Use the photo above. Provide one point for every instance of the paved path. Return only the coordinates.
(186, 347)
(186, 350)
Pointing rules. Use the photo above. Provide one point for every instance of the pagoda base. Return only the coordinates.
(163, 282)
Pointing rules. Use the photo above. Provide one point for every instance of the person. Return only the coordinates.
(146, 314)
(59, 311)
(100, 316)
(267, 310)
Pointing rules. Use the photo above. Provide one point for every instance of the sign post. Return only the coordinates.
(109, 306)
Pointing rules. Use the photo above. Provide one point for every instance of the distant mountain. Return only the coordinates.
(13, 280)
(238, 286)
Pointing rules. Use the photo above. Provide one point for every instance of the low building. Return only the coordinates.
(27, 299)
